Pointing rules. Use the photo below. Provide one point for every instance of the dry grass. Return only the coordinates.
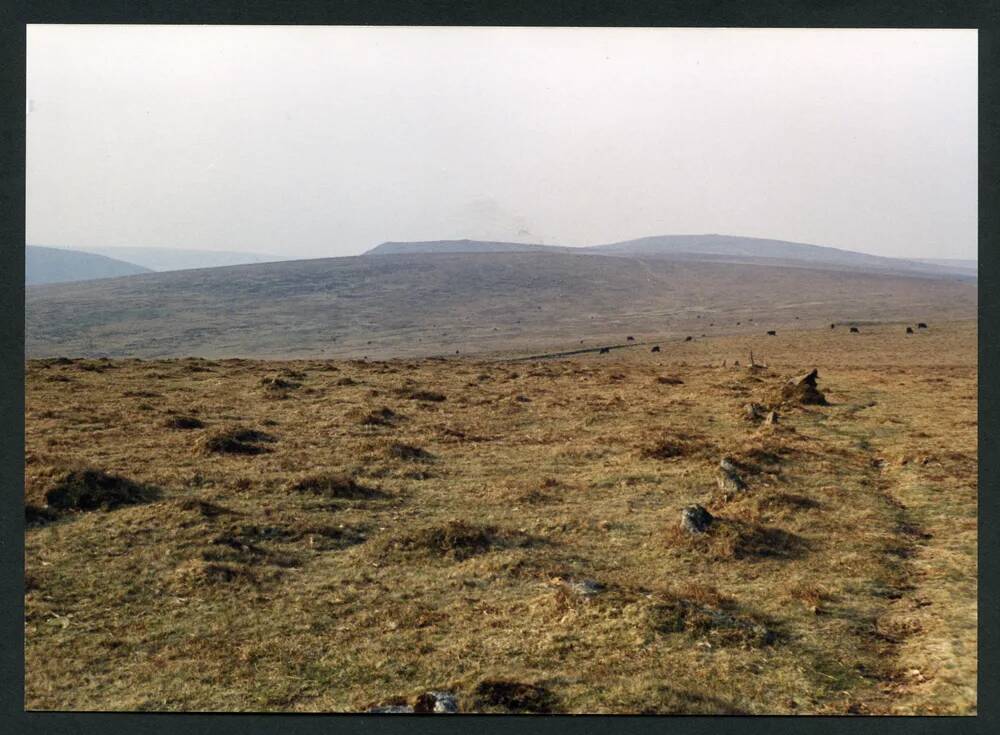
(295, 557)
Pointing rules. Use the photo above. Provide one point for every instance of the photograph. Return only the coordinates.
(500, 370)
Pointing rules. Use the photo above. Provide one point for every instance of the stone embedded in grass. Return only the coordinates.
(695, 519)
(729, 479)
(436, 703)
(391, 709)
(581, 587)
(90, 489)
(803, 390)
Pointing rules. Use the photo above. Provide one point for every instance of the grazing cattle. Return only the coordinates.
(855, 330)
(921, 325)
(630, 338)
(833, 326)
(604, 350)
(687, 339)
(771, 332)
(909, 330)
(656, 348)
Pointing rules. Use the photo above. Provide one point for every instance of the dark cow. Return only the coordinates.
(604, 350)
(833, 326)
(688, 339)
(909, 330)
(630, 338)
(921, 325)
(855, 330)
(656, 348)
(771, 332)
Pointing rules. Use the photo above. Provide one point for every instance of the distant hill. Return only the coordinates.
(460, 246)
(170, 259)
(969, 265)
(719, 248)
(494, 302)
(55, 265)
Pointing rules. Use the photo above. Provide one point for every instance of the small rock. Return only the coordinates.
(436, 702)
(695, 519)
(729, 479)
(585, 587)
(391, 709)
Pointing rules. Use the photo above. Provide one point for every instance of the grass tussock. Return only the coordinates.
(276, 386)
(236, 440)
(723, 627)
(455, 539)
(417, 394)
(184, 423)
(675, 445)
(93, 489)
(732, 539)
(381, 417)
(334, 485)
(203, 508)
(512, 697)
(409, 453)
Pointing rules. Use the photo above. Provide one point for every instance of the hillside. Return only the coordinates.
(172, 259)
(723, 248)
(55, 265)
(500, 303)
(460, 246)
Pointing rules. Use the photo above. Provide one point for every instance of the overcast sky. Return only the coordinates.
(327, 141)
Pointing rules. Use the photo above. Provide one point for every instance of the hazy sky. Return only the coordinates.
(327, 141)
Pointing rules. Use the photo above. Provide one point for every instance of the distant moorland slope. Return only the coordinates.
(55, 265)
(171, 259)
(725, 248)
(505, 303)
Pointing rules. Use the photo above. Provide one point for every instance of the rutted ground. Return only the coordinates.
(317, 536)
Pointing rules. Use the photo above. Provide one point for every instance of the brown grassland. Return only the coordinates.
(317, 535)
